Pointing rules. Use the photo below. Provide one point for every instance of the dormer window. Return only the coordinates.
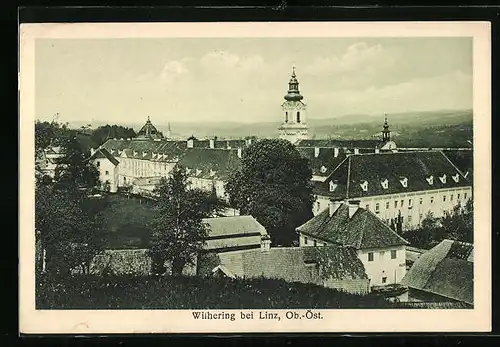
(385, 184)
(198, 172)
(322, 169)
(212, 173)
(144, 154)
(430, 180)
(364, 186)
(404, 182)
(112, 151)
(455, 178)
(332, 186)
(443, 179)
(188, 170)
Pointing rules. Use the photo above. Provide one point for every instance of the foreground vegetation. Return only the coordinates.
(166, 292)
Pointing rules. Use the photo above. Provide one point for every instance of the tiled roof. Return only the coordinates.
(446, 270)
(209, 163)
(234, 225)
(323, 164)
(362, 231)
(400, 171)
(294, 264)
(339, 143)
(463, 159)
(104, 153)
(145, 149)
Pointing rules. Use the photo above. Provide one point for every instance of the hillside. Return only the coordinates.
(422, 129)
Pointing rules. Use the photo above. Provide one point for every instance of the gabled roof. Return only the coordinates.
(323, 164)
(363, 230)
(446, 270)
(104, 153)
(233, 225)
(170, 151)
(415, 166)
(209, 163)
(294, 264)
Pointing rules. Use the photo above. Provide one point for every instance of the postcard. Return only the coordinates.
(255, 177)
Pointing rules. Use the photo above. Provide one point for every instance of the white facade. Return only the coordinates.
(413, 206)
(132, 168)
(294, 124)
(108, 173)
(383, 266)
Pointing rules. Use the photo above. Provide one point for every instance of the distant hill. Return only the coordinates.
(436, 128)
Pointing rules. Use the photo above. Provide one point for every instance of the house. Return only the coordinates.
(399, 187)
(108, 168)
(344, 223)
(445, 273)
(233, 233)
(333, 267)
(208, 169)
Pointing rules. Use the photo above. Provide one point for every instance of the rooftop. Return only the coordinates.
(375, 174)
(446, 270)
(363, 230)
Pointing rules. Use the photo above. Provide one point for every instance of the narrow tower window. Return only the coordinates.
(286, 117)
(298, 117)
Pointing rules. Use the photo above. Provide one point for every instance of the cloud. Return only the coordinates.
(173, 69)
(356, 57)
(226, 60)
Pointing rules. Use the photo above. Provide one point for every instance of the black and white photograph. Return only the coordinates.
(255, 177)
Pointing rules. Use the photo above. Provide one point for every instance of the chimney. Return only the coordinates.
(239, 153)
(377, 150)
(356, 150)
(316, 152)
(334, 206)
(265, 243)
(190, 143)
(353, 207)
(336, 152)
(212, 143)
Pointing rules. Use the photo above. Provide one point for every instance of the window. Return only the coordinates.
(107, 172)
(465, 196)
(402, 201)
(124, 179)
(409, 218)
(382, 255)
(318, 205)
(387, 205)
(410, 203)
(420, 217)
(384, 279)
(367, 207)
(395, 204)
(305, 240)
(98, 164)
(370, 256)
(394, 254)
(451, 197)
(432, 199)
(286, 117)
(458, 196)
(315, 243)
(377, 207)
(421, 200)
(444, 198)
(298, 117)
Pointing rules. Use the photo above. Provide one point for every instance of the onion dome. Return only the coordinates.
(293, 89)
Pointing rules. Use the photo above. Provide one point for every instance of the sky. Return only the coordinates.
(245, 79)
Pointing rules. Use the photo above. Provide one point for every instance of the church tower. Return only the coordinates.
(293, 126)
(386, 133)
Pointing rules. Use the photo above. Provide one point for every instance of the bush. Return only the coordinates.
(165, 292)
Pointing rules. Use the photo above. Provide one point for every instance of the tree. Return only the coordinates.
(103, 133)
(69, 225)
(273, 185)
(178, 234)
(74, 169)
(49, 133)
(458, 223)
